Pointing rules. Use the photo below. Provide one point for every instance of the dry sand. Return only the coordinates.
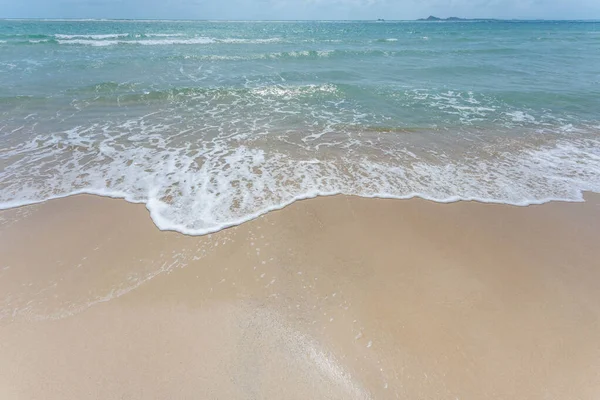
(330, 298)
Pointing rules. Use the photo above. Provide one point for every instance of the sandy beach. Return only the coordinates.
(330, 298)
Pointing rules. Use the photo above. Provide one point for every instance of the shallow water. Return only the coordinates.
(214, 123)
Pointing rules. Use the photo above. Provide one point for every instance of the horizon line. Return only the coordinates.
(460, 19)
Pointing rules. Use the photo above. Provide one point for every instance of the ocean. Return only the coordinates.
(213, 123)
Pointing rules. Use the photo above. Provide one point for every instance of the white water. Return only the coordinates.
(96, 37)
(165, 39)
(221, 184)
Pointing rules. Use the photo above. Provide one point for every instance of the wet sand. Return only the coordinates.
(329, 298)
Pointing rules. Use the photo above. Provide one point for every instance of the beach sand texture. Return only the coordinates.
(330, 298)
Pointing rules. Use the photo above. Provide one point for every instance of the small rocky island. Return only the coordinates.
(431, 18)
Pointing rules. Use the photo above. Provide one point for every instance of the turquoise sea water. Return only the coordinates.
(212, 123)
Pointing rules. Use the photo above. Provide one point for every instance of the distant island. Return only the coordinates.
(432, 18)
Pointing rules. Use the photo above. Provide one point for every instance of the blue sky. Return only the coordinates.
(299, 9)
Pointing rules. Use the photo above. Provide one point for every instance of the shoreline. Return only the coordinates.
(330, 297)
(261, 213)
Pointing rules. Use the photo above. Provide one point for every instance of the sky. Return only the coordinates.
(300, 9)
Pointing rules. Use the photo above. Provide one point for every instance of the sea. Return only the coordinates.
(213, 123)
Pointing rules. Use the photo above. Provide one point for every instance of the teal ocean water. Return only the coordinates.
(213, 123)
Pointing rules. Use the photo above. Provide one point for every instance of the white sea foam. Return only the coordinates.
(324, 53)
(148, 42)
(287, 92)
(165, 39)
(303, 53)
(162, 42)
(164, 34)
(244, 40)
(465, 106)
(521, 116)
(93, 37)
(88, 42)
(228, 180)
(264, 56)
